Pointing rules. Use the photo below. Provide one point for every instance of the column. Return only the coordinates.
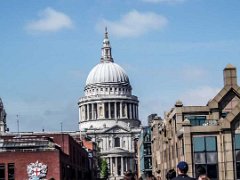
(103, 111)
(80, 115)
(107, 149)
(116, 162)
(130, 110)
(96, 110)
(111, 166)
(134, 111)
(122, 170)
(127, 110)
(115, 110)
(137, 111)
(87, 111)
(130, 143)
(120, 109)
(109, 110)
(103, 144)
(92, 111)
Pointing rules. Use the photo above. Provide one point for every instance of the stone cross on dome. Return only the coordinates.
(106, 49)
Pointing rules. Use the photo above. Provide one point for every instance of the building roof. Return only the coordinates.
(107, 71)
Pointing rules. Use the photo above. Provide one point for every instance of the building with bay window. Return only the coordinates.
(207, 136)
(108, 113)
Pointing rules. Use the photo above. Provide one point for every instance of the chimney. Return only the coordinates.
(230, 75)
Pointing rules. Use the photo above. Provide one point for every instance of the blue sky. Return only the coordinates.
(171, 49)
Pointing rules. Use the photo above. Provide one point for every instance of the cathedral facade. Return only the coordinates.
(3, 115)
(108, 113)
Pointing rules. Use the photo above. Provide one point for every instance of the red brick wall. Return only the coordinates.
(22, 159)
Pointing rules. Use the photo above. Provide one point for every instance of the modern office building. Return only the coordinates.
(108, 113)
(207, 136)
(145, 153)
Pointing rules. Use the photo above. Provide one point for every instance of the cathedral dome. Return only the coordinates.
(107, 72)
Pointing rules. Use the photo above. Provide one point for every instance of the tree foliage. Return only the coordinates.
(104, 169)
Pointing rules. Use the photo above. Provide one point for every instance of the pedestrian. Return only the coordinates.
(201, 173)
(171, 174)
(158, 175)
(151, 177)
(129, 176)
(203, 177)
(182, 169)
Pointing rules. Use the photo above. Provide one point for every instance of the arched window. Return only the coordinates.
(117, 142)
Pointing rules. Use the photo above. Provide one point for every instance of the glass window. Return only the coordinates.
(196, 120)
(237, 153)
(238, 171)
(212, 158)
(117, 142)
(212, 171)
(11, 171)
(237, 141)
(198, 144)
(199, 158)
(210, 143)
(205, 154)
(2, 171)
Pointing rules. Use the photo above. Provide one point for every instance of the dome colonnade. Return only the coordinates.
(108, 95)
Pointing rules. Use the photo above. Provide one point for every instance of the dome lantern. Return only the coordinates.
(107, 72)
(106, 49)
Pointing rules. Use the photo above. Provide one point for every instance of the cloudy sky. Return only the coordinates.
(171, 49)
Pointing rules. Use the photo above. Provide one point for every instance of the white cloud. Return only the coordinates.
(50, 20)
(134, 24)
(199, 96)
(164, 1)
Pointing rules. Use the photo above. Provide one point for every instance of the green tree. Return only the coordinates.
(104, 169)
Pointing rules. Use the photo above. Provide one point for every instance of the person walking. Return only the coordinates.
(201, 173)
(182, 169)
(171, 174)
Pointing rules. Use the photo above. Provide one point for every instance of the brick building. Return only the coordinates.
(93, 157)
(32, 155)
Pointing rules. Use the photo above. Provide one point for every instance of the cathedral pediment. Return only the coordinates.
(116, 129)
(118, 150)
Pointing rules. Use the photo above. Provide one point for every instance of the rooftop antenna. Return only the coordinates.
(62, 134)
(61, 126)
(18, 123)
